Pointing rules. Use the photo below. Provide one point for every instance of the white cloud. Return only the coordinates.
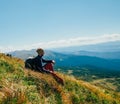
(79, 41)
(69, 42)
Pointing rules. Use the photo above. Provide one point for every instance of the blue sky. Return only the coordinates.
(26, 23)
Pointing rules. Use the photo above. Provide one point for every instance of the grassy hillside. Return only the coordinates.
(21, 86)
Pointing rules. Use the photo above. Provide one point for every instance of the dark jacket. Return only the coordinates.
(36, 63)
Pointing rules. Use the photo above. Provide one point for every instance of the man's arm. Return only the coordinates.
(48, 61)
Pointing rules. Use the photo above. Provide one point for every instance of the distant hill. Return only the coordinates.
(22, 86)
(105, 55)
(89, 61)
(23, 54)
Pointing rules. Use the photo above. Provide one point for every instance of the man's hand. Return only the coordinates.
(53, 61)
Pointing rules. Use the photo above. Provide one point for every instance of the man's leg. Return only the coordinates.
(48, 66)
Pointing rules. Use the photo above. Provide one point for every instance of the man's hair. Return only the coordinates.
(40, 51)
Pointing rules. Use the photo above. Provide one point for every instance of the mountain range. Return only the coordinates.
(72, 60)
(107, 55)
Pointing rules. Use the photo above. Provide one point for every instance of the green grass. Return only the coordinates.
(21, 86)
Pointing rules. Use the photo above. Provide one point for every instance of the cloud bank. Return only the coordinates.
(79, 41)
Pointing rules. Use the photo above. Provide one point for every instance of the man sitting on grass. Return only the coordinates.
(36, 63)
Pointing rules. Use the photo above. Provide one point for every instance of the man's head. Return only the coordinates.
(40, 51)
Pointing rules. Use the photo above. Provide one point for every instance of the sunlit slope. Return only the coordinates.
(21, 86)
